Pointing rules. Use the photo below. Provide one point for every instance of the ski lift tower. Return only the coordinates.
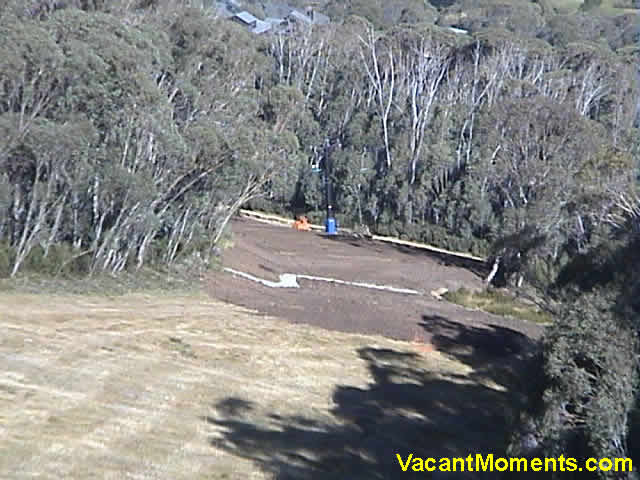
(330, 222)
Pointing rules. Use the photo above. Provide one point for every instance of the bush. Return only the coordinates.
(61, 259)
(591, 375)
(6, 260)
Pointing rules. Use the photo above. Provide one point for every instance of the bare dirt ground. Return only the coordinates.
(187, 387)
(266, 251)
(168, 387)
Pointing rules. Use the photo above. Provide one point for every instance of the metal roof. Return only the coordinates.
(457, 30)
(300, 16)
(246, 17)
(261, 27)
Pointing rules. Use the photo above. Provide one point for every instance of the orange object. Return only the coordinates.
(302, 224)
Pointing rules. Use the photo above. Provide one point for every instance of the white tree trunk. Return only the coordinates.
(494, 271)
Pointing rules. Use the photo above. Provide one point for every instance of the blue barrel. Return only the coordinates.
(331, 227)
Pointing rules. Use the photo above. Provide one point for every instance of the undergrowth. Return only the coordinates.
(498, 303)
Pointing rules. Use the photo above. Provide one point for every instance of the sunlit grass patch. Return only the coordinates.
(498, 303)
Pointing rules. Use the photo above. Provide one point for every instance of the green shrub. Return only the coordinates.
(592, 375)
(61, 259)
(6, 260)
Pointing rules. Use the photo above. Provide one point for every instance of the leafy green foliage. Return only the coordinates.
(180, 112)
(592, 372)
(119, 138)
(381, 13)
(130, 132)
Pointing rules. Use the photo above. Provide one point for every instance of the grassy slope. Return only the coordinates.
(175, 387)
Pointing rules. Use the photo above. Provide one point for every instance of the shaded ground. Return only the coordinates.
(169, 387)
(267, 251)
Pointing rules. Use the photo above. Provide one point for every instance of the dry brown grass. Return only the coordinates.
(498, 303)
(114, 388)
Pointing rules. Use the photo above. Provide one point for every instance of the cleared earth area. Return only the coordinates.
(266, 251)
(186, 388)
(189, 387)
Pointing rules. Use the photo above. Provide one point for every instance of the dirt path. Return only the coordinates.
(266, 251)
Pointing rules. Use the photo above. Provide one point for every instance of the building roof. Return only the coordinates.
(246, 17)
(296, 15)
(275, 22)
(261, 27)
(457, 30)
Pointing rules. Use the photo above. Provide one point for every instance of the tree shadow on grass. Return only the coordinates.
(495, 353)
(405, 409)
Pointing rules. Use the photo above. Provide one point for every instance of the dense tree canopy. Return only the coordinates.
(130, 132)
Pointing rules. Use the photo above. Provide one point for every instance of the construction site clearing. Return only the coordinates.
(267, 251)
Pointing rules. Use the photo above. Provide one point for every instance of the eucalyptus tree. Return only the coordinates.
(125, 140)
(380, 63)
